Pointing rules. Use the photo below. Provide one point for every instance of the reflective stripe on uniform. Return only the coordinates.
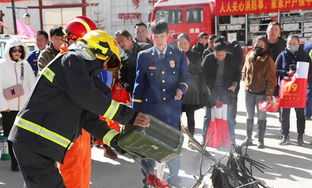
(109, 136)
(43, 132)
(48, 74)
(112, 110)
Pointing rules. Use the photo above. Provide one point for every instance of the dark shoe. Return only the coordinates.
(261, 145)
(285, 141)
(300, 140)
(109, 153)
(14, 168)
(248, 142)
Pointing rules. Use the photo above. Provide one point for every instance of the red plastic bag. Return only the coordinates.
(272, 106)
(218, 134)
(120, 94)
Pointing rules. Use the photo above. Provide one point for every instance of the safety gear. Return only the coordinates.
(78, 27)
(293, 48)
(104, 47)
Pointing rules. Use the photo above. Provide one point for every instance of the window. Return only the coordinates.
(169, 16)
(195, 15)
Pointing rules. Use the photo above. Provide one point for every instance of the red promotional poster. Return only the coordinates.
(242, 7)
(293, 93)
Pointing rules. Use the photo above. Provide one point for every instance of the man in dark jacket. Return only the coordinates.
(221, 75)
(210, 45)
(201, 44)
(286, 67)
(65, 100)
(128, 69)
(276, 43)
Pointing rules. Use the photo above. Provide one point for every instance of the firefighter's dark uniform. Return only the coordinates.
(64, 100)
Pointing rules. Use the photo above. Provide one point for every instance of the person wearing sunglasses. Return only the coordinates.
(16, 80)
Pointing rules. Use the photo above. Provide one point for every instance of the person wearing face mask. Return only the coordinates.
(286, 67)
(259, 76)
(16, 81)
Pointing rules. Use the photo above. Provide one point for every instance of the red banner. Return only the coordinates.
(241, 7)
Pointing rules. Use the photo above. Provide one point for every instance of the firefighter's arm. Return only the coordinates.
(81, 88)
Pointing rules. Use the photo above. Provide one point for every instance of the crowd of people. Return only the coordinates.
(163, 79)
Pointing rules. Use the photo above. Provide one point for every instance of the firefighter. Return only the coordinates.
(76, 167)
(64, 100)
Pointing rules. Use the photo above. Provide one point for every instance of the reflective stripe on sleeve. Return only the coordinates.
(48, 74)
(109, 136)
(112, 110)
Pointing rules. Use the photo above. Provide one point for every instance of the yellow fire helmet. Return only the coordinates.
(104, 47)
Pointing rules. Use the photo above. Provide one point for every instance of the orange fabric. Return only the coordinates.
(76, 169)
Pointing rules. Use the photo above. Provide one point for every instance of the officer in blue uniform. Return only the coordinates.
(161, 80)
(42, 40)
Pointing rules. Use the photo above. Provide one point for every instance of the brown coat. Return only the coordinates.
(259, 76)
(46, 56)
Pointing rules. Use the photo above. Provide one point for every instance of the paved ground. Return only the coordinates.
(291, 165)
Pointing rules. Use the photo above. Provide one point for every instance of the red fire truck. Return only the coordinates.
(186, 16)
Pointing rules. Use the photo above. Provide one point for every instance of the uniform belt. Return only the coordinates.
(42, 132)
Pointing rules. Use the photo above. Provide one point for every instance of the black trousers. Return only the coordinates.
(38, 171)
(285, 112)
(190, 112)
(8, 119)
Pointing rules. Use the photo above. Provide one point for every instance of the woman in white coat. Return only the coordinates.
(16, 81)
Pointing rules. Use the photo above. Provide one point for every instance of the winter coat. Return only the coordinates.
(128, 70)
(192, 96)
(210, 67)
(277, 48)
(46, 56)
(287, 60)
(13, 73)
(259, 75)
